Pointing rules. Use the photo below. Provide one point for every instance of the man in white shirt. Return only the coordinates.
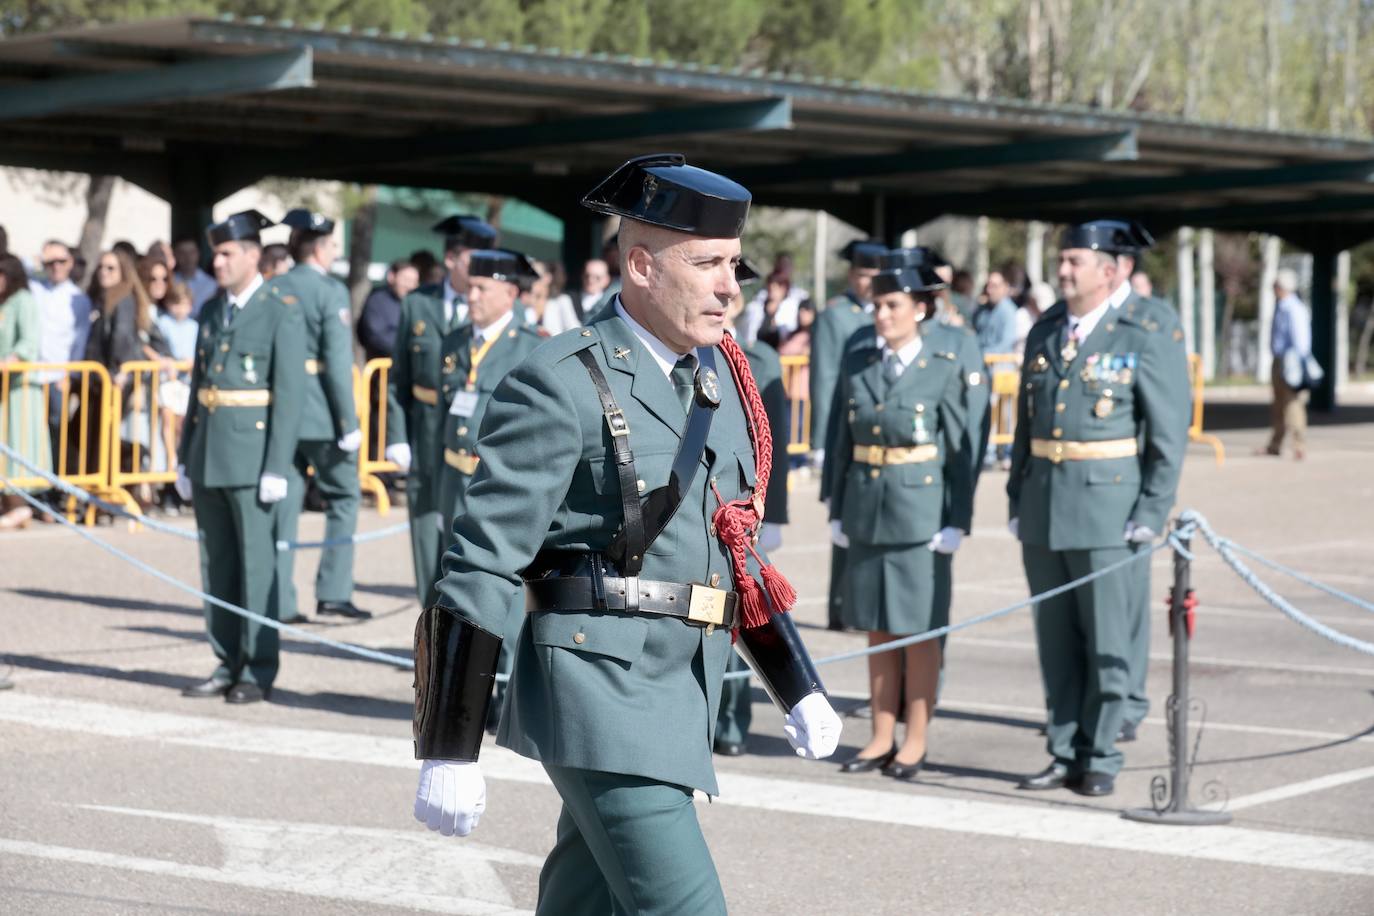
(202, 285)
(66, 323)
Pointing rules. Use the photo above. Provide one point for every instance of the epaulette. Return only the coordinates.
(559, 348)
(283, 298)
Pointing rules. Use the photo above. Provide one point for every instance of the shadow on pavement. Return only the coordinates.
(294, 646)
(108, 602)
(1230, 416)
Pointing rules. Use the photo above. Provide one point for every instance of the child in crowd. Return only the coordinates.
(179, 329)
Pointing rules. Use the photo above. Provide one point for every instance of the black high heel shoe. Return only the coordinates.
(857, 764)
(904, 771)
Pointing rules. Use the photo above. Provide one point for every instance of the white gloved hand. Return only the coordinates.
(350, 442)
(271, 489)
(818, 458)
(1138, 534)
(812, 728)
(183, 484)
(451, 796)
(439, 523)
(947, 540)
(399, 455)
(1014, 526)
(770, 536)
(837, 535)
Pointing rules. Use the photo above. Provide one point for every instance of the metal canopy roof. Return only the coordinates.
(205, 106)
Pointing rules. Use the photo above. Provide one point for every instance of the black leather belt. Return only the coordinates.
(694, 603)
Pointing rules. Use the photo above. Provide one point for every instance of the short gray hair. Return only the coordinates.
(1287, 280)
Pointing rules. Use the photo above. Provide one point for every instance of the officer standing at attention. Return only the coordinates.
(736, 706)
(623, 469)
(247, 390)
(1099, 447)
(901, 485)
(329, 433)
(415, 417)
(830, 335)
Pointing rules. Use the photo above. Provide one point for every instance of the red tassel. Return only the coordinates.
(780, 591)
(751, 599)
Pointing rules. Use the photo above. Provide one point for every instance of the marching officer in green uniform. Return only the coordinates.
(477, 356)
(415, 416)
(620, 481)
(236, 452)
(901, 480)
(329, 432)
(830, 336)
(736, 707)
(1100, 438)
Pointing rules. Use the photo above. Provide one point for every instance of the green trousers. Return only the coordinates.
(736, 705)
(627, 846)
(336, 477)
(426, 541)
(1137, 703)
(1084, 640)
(238, 564)
(839, 562)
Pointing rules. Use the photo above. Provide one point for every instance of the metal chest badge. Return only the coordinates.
(708, 388)
(1103, 408)
(918, 426)
(250, 374)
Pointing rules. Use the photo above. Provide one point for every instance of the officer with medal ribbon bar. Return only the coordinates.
(1099, 445)
(329, 433)
(622, 474)
(415, 415)
(247, 392)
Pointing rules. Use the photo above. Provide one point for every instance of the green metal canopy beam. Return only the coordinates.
(764, 114)
(1267, 214)
(1111, 147)
(197, 79)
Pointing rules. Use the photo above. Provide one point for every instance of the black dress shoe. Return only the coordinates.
(247, 693)
(342, 609)
(1095, 784)
(728, 748)
(1127, 732)
(214, 687)
(1054, 776)
(857, 764)
(904, 771)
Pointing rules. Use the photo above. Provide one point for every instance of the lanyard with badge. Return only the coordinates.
(465, 402)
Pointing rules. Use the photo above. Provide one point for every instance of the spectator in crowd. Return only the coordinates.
(186, 252)
(1143, 286)
(126, 247)
(155, 276)
(381, 314)
(961, 296)
(276, 260)
(560, 313)
(161, 251)
(771, 314)
(596, 280)
(1291, 343)
(66, 323)
(431, 270)
(24, 420)
(179, 330)
(1041, 297)
(995, 320)
(798, 343)
(534, 295)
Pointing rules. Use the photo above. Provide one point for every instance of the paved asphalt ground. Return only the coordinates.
(119, 796)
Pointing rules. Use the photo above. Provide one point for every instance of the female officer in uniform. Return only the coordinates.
(901, 490)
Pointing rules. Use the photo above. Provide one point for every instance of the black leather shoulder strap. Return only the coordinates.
(631, 560)
(662, 504)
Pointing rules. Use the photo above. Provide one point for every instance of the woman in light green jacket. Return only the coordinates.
(23, 417)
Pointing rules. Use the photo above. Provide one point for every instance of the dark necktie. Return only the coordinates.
(684, 380)
(891, 369)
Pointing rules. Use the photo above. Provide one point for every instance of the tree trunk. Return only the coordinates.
(98, 194)
(1269, 268)
(1207, 303)
(1035, 252)
(360, 247)
(1342, 319)
(1187, 288)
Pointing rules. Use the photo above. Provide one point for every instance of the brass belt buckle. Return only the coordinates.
(875, 454)
(707, 604)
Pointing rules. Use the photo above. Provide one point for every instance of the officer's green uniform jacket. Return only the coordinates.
(926, 405)
(329, 412)
(517, 341)
(1124, 376)
(830, 335)
(629, 694)
(263, 349)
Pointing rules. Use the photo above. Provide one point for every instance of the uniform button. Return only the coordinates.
(920, 408)
(929, 479)
(579, 638)
(219, 367)
(1063, 383)
(1117, 479)
(877, 430)
(224, 348)
(1057, 433)
(878, 408)
(1060, 408)
(640, 484)
(462, 430)
(262, 425)
(874, 473)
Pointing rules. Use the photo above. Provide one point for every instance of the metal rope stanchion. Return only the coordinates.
(1169, 794)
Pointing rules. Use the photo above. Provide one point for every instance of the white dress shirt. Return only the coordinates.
(454, 302)
(241, 300)
(1085, 325)
(905, 356)
(494, 329)
(64, 326)
(663, 354)
(1119, 295)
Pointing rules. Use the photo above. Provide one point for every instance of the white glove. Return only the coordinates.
(770, 537)
(1014, 526)
(399, 455)
(837, 535)
(271, 489)
(812, 728)
(183, 484)
(439, 523)
(1138, 534)
(451, 796)
(817, 457)
(350, 442)
(947, 540)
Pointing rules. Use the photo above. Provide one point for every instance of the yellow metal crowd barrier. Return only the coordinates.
(1004, 381)
(796, 381)
(371, 392)
(146, 425)
(1195, 433)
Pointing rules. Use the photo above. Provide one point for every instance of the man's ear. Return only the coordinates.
(639, 266)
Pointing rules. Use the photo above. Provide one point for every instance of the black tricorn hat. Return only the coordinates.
(916, 256)
(912, 280)
(308, 221)
(861, 253)
(501, 264)
(663, 190)
(1113, 236)
(462, 231)
(746, 272)
(241, 227)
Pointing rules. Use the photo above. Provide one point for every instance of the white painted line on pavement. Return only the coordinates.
(1282, 793)
(1021, 821)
